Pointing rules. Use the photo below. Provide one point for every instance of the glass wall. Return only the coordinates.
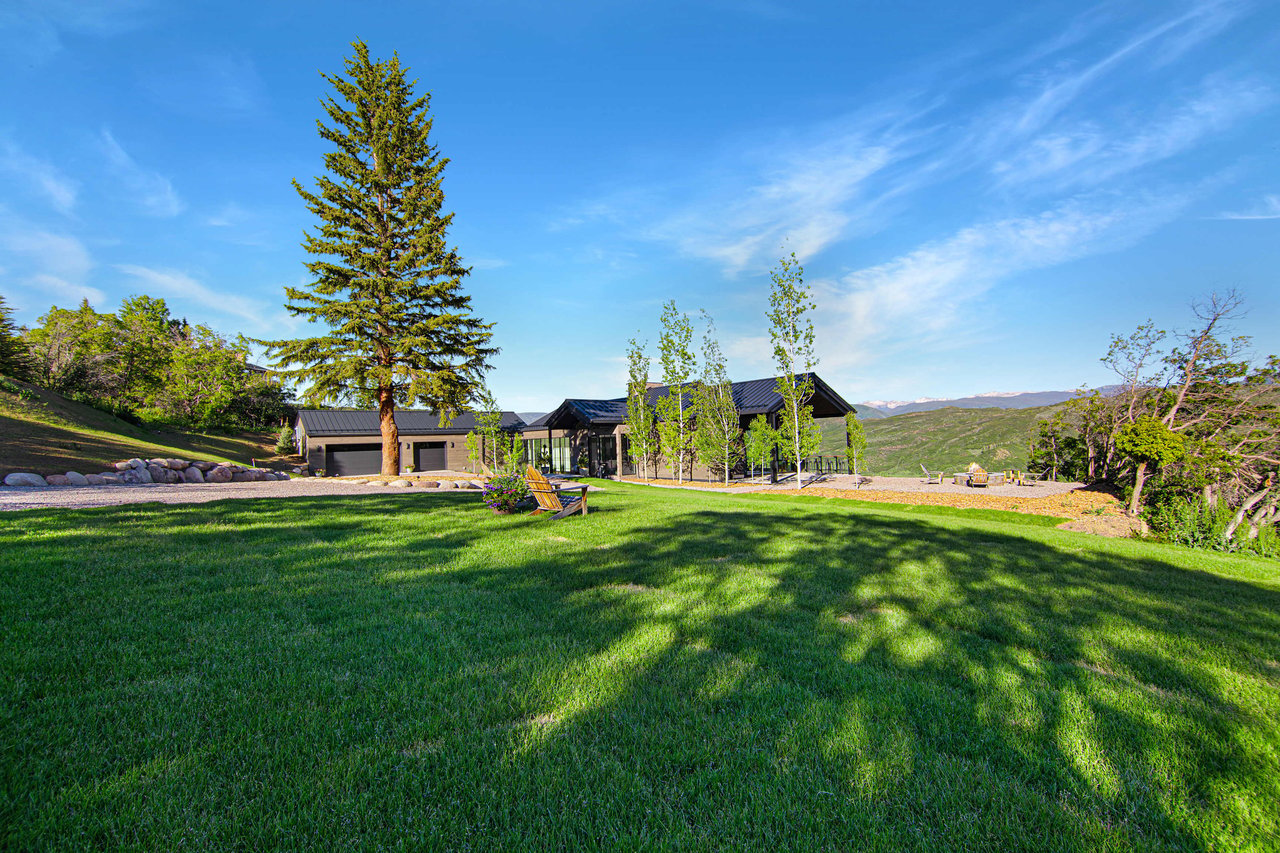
(551, 454)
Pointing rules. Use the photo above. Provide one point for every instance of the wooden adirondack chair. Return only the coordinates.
(549, 497)
(979, 478)
(931, 477)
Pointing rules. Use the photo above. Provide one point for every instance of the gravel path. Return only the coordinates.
(80, 497)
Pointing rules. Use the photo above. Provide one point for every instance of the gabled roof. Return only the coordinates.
(752, 397)
(329, 422)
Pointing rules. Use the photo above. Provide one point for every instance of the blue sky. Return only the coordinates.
(981, 193)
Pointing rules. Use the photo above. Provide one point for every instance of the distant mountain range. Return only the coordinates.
(992, 400)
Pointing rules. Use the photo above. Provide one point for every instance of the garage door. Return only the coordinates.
(430, 456)
(346, 459)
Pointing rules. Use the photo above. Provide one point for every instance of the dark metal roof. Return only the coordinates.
(752, 397)
(330, 422)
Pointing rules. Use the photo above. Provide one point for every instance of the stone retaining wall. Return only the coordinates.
(133, 472)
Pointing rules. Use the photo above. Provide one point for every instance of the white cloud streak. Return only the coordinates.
(1268, 208)
(151, 191)
(50, 267)
(913, 299)
(41, 176)
(187, 291)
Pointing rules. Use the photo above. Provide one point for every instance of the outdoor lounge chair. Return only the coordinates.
(1030, 479)
(931, 477)
(979, 478)
(552, 499)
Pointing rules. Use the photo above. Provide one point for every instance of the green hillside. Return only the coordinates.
(943, 439)
(52, 434)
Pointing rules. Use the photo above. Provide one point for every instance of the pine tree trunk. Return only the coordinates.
(1139, 477)
(390, 435)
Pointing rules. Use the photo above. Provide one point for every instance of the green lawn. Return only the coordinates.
(676, 670)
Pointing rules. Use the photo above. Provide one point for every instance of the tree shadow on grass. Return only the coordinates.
(727, 675)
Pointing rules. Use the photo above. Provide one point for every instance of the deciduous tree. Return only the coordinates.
(387, 285)
(761, 440)
(855, 444)
(675, 428)
(717, 431)
(642, 437)
(791, 332)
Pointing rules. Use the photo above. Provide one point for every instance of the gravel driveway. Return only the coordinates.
(80, 497)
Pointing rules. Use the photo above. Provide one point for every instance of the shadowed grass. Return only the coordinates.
(676, 669)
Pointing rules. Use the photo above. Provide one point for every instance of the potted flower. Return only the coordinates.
(503, 493)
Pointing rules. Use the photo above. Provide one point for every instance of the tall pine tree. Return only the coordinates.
(15, 358)
(387, 284)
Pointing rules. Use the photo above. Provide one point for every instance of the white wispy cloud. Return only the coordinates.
(210, 86)
(40, 175)
(34, 29)
(151, 191)
(1090, 153)
(1060, 91)
(809, 188)
(187, 293)
(51, 268)
(1268, 208)
(920, 295)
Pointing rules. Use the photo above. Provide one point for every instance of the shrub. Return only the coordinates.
(284, 441)
(1176, 518)
(505, 492)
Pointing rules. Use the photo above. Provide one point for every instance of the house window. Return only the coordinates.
(554, 453)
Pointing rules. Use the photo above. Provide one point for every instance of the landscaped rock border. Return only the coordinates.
(140, 471)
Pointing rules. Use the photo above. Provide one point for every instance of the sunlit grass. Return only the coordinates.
(675, 669)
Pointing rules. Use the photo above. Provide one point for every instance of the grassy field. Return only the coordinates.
(52, 434)
(673, 671)
(943, 439)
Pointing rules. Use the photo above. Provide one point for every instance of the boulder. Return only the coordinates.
(162, 462)
(359, 482)
(177, 464)
(219, 474)
(172, 476)
(476, 484)
(135, 477)
(448, 484)
(20, 479)
(110, 479)
(192, 475)
(77, 479)
(283, 477)
(124, 466)
(376, 483)
(204, 466)
(400, 483)
(429, 484)
(95, 479)
(241, 477)
(157, 473)
(57, 480)
(297, 470)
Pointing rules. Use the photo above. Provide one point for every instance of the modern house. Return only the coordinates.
(579, 436)
(595, 432)
(350, 441)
